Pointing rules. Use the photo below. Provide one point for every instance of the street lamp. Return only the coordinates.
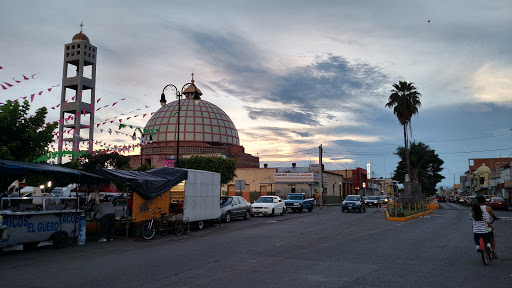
(179, 94)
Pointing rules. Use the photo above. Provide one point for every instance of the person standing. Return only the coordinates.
(106, 213)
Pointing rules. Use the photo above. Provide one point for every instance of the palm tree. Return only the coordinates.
(405, 100)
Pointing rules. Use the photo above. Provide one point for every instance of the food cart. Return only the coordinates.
(191, 196)
(31, 220)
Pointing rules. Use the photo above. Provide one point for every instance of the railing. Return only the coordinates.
(404, 207)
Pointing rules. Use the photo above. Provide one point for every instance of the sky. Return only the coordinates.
(292, 75)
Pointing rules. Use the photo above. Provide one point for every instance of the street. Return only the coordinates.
(324, 248)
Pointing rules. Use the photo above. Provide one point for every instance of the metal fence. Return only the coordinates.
(402, 206)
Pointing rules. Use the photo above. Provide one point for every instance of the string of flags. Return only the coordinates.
(9, 85)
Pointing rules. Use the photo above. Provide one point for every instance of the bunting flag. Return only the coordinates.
(8, 85)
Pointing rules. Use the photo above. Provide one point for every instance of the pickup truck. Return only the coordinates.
(298, 202)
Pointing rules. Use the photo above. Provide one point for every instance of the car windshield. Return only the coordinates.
(225, 201)
(497, 199)
(265, 200)
(373, 198)
(352, 198)
(294, 197)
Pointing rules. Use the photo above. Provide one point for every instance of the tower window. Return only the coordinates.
(72, 53)
(93, 50)
(78, 46)
(67, 47)
(67, 54)
(92, 56)
(77, 52)
(72, 46)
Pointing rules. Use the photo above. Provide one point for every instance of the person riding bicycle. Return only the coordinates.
(487, 211)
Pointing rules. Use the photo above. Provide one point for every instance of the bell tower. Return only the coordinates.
(78, 94)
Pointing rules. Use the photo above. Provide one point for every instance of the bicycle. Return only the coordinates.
(484, 249)
(163, 225)
(150, 227)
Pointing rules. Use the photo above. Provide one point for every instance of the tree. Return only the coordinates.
(405, 100)
(226, 167)
(22, 137)
(91, 163)
(425, 165)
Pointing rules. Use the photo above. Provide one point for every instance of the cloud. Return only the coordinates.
(492, 84)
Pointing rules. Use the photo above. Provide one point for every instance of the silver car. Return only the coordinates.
(233, 207)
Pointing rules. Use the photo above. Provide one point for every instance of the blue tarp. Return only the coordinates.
(148, 184)
(18, 168)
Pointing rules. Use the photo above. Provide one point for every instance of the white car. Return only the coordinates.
(268, 205)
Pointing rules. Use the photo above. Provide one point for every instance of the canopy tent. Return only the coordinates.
(17, 168)
(149, 184)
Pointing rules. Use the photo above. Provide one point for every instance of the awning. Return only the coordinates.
(148, 184)
(18, 168)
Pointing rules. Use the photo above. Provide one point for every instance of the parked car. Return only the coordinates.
(353, 202)
(233, 207)
(372, 201)
(498, 203)
(468, 201)
(441, 198)
(119, 199)
(268, 205)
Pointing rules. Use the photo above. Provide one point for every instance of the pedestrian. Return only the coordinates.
(107, 216)
(316, 197)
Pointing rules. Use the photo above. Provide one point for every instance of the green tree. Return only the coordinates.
(226, 167)
(425, 165)
(22, 137)
(405, 100)
(91, 163)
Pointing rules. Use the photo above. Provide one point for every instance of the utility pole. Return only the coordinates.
(320, 176)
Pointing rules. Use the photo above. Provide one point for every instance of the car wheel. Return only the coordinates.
(310, 208)
(60, 239)
(247, 215)
(360, 210)
(283, 211)
(228, 217)
(200, 225)
(301, 209)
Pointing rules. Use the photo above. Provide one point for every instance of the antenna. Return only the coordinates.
(81, 25)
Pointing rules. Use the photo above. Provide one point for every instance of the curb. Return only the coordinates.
(408, 217)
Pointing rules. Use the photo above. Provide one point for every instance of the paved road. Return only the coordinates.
(324, 248)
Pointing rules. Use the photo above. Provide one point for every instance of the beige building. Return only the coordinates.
(252, 183)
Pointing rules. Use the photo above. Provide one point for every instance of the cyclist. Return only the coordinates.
(480, 221)
(486, 210)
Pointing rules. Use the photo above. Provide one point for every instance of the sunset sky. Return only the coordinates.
(290, 74)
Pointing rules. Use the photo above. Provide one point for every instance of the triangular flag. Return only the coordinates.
(114, 104)
(25, 77)
(8, 84)
(32, 97)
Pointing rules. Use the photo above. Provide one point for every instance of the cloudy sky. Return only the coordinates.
(291, 74)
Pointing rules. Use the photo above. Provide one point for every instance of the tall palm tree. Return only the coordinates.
(405, 100)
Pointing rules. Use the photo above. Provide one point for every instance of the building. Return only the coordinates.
(78, 93)
(252, 183)
(204, 130)
(483, 176)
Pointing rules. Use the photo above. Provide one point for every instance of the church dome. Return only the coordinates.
(80, 37)
(201, 122)
(483, 169)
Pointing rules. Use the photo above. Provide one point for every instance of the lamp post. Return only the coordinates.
(179, 94)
